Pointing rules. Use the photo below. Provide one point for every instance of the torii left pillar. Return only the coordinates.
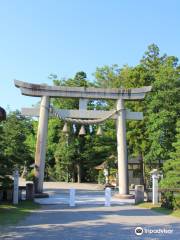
(40, 154)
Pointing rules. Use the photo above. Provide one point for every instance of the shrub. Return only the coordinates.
(167, 199)
(176, 202)
(30, 176)
(101, 177)
(170, 200)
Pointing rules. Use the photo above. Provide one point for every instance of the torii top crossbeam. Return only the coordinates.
(36, 90)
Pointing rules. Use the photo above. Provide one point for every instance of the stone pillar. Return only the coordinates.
(29, 191)
(154, 188)
(107, 197)
(41, 144)
(72, 192)
(83, 104)
(139, 194)
(122, 149)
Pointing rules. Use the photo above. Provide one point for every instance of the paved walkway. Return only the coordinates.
(91, 221)
(82, 197)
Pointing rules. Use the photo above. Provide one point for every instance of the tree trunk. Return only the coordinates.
(141, 169)
(79, 173)
(73, 176)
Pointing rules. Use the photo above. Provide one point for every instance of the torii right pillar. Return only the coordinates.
(122, 150)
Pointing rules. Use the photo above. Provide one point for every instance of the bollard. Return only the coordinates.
(29, 191)
(72, 197)
(16, 187)
(107, 197)
(139, 194)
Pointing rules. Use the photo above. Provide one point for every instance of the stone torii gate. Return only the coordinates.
(120, 115)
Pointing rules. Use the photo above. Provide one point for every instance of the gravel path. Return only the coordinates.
(93, 221)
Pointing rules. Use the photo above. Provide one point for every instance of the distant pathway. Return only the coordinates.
(92, 221)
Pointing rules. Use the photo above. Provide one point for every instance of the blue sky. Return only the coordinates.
(39, 37)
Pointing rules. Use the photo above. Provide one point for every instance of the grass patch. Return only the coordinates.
(158, 208)
(11, 214)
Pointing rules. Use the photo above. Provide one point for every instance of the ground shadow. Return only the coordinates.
(100, 230)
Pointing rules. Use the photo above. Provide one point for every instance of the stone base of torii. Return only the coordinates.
(45, 92)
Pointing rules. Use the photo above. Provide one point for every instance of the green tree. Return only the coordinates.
(65, 159)
(14, 150)
(163, 111)
(171, 168)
